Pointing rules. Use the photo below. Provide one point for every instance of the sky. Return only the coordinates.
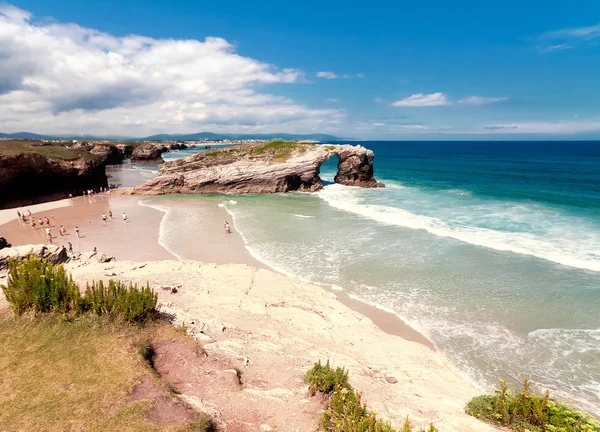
(379, 70)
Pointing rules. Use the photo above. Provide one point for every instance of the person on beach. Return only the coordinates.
(70, 247)
(19, 213)
(29, 213)
(48, 235)
(47, 221)
(104, 218)
(124, 218)
(227, 228)
(62, 230)
(110, 214)
(32, 224)
(41, 222)
(95, 251)
(77, 231)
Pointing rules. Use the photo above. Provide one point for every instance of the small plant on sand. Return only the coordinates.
(528, 411)
(325, 379)
(345, 410)
(117, 299)
(34, 284)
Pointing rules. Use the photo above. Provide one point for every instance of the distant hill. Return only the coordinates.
(216, 136)
(179, 137)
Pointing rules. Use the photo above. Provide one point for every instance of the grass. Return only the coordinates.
(345, 411)
(53, 151)
(526, 411)
(278, 149)
(58, 375)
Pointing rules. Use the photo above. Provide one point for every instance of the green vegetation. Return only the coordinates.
(36, 285)
(278, 149)
(527, 411)
(52, 151)
(345, 411)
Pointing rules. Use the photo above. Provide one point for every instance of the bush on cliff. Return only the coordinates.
(527, 411)
(345, 410)
(36, 285)
(116, 299)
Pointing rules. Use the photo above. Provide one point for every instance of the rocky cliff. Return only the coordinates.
(277, 166)
(151, 151)
(28, 176)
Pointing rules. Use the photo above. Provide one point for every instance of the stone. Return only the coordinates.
(52, 253)
(109, 153)
(391, 379)
(258, 168)
(149, 152)
(4, 243)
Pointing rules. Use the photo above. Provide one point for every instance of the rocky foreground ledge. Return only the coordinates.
(277, 166)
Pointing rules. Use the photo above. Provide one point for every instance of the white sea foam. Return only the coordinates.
(566, 251)
(164, 223)
(303, 216)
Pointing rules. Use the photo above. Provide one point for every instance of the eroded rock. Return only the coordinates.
(261, 168)
(52, 253)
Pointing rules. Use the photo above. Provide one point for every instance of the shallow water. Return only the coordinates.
(492, 250)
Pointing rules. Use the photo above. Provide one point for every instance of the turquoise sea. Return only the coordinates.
(490, 249)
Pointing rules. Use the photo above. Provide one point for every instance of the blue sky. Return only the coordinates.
(382, 70)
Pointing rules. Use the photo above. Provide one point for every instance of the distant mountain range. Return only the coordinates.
(181, 137)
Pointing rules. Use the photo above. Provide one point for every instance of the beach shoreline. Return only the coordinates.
(140, 240)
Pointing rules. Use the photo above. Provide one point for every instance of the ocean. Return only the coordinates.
(490, 249)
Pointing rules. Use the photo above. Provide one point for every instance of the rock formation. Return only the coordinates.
(27, 177)
(151, 151)
(262, 168)
(53, 253)
(109, 153)
(126, 150)
(4, 243)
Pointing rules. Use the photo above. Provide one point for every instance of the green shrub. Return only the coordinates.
(34, 284)
(325, 379)
(117, 299)
(38, 286)
(528, 411)
(345, 411)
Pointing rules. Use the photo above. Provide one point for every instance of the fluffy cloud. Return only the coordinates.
(480, 100)
(65, 78)
(423, 100)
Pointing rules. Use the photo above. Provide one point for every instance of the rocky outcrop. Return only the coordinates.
(109, 153)
(4, 243)
(262, 168)
(153, 150)
(53, 253)
(126, 150)
(27, 178)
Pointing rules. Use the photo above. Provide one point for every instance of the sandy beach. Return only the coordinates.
(243, 311)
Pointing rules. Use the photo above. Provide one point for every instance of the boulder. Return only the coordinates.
(149, 151)
(52, 253)
(4, 243)
(109, 153)
(262, 168)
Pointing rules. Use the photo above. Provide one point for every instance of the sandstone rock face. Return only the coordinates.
(148, 151)
(52, 253)
(126, 150)
(262, 169)
(27, 178)
(153, 150)
(108, 153)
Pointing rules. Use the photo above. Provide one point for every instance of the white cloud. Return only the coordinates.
(423, 100)
(378, 124)
(545, 127)
(333, 75)
(577, 32)
(327, 75)
(331, 100)
(552, 48)
(63, 78)
(480, 100)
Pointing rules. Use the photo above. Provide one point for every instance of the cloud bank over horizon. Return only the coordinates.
(58, 77)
